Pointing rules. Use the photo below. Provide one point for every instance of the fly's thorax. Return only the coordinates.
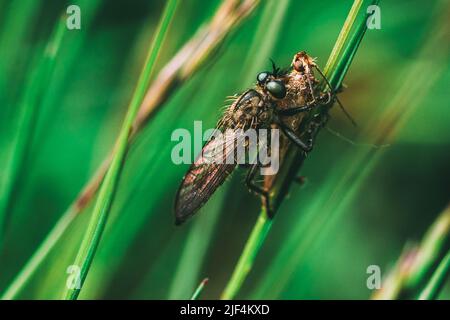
(251, 110)
(302, 88)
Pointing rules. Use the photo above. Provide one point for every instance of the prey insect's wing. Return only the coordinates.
(205, 175)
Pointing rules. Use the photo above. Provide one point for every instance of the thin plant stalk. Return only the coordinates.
(199, 289)
(434, 245)
(22, 277)
(268, 28)
(437, 281)
(107, 190)
(29, 108)
(189, 60)
(247, 258)
(337, 49)
(417, 262)
(345, 180)
(337, 66)
(38, 256)
(186, 275)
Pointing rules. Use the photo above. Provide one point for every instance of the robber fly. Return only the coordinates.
(279, 99)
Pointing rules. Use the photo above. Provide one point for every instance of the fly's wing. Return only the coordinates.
(205, 175)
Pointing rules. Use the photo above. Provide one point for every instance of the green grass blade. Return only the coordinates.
(20, 16)
(432, 248)
(349, 176)
(267, 33)
(29, 108)
(39, 255)
(340, 41)
(106, 193)
(263, 224)
(193, 63)
(66, 58)
(336, 75)
(194, 251)
(354, 210)
(199, 289)
(262, 47)
(437, 281)
(415, 265)
(247, 258)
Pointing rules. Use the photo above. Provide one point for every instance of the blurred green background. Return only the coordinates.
(319, 246)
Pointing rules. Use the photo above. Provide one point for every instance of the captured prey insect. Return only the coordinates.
(279, 100)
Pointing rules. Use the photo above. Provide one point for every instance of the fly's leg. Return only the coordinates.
(252, 186)
(295, 110)
(312, 131)
(319, 99)
(306, 146)
(333, 95)
(325, 98)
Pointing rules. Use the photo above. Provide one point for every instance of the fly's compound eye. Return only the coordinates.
(262, 77)
(276, 89)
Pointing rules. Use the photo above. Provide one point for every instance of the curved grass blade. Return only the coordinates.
(416, 264)
(336, 71)
(66, 58)
(106, 193)
(199, 289)
(197, 242)
(29, 109)
(437, 281)
(189, 60)
(345, 180)
(247, 258)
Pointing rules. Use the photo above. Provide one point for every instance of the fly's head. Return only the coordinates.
(272, 85)
(276, 87)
